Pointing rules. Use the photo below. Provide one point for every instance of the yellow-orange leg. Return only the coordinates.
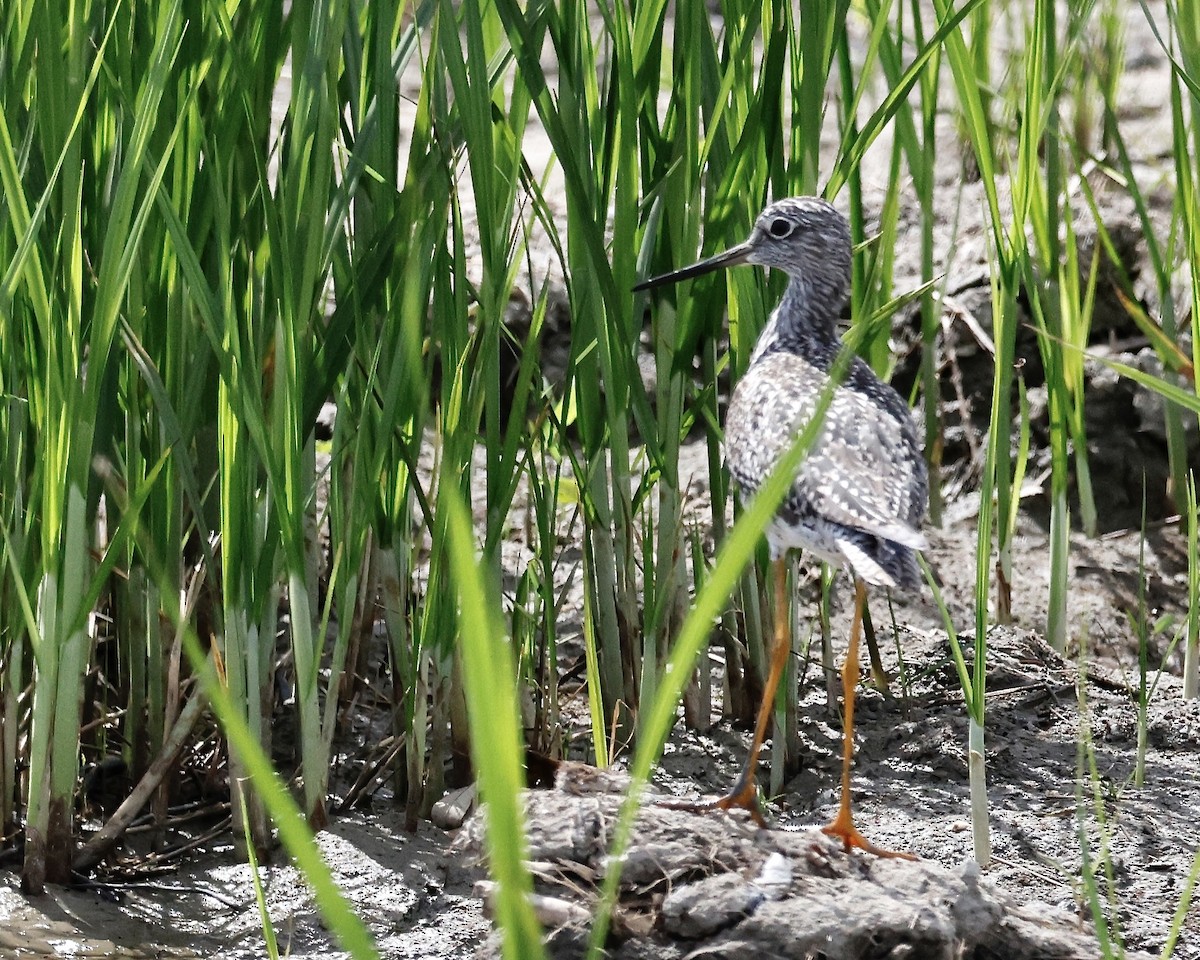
(842, 826)
(744, 792)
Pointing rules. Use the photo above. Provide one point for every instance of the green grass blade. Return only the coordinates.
(496, 742)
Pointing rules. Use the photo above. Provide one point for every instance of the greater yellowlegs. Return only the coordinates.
(860, 494)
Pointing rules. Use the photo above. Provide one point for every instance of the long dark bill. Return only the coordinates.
(730, 258)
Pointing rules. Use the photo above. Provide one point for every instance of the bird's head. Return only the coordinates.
(804, 236)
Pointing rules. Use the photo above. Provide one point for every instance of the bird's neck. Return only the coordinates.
(805, 322)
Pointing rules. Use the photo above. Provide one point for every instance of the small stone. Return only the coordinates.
(776, 876)
(450, 812)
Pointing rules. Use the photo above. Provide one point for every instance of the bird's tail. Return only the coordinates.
(882, 562)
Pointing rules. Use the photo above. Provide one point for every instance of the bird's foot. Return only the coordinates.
(744, 796)
(843, 829)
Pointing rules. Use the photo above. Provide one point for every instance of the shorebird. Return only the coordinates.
(860, 494)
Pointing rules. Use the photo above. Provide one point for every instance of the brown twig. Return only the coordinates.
(92, 852)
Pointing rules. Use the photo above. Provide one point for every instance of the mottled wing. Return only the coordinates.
(865, 470)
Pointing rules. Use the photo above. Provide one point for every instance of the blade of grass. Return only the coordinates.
(496, 744)
(1191, 664)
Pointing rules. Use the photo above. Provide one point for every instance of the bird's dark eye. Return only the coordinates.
(781, 227)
